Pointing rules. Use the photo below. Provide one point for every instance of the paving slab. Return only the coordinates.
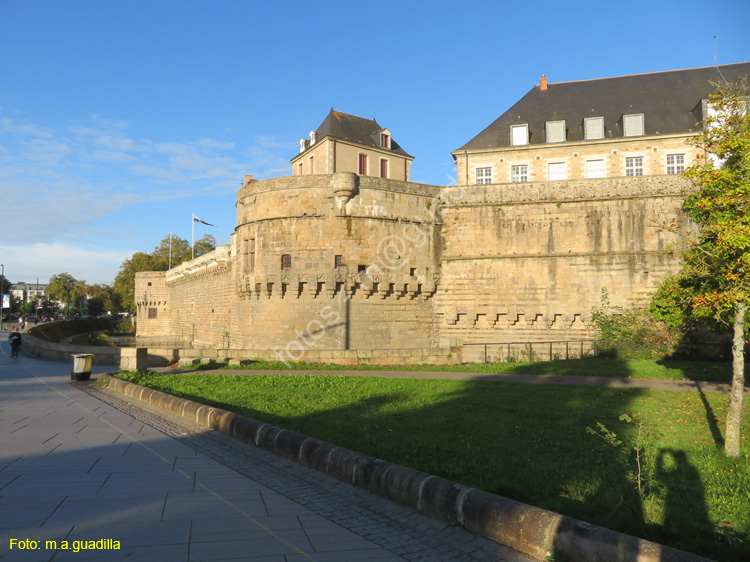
(88, 476)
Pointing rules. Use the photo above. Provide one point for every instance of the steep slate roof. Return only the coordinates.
(355, 129)
(670, 102)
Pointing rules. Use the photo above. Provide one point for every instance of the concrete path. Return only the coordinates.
(78, 464)
(575, 380)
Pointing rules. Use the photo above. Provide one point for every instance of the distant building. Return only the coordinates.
(610, 127)
(346, 143)
(28, 292)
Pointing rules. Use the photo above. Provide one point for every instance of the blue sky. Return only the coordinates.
(121, 118)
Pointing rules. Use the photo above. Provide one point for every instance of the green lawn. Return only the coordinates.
(528, 442)
(669, 369)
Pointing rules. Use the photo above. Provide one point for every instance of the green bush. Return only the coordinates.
(632, 333)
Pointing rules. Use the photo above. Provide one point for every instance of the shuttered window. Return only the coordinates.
(555, 131)
(556, 171)
(632, 125)
(519, 135)
(593, 128)
(595, 168)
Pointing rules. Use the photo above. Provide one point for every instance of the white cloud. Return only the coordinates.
(42, 260)
(62, 181)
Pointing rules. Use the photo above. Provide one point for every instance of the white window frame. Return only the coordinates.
(519, 135)
(675, 163)
(593, 128)
(633, 125)
(555, 131)
(588, 170)
(558, 166)
(519, 173)
(485, 176)
(634, 166)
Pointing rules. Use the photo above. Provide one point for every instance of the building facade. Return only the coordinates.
(347, 143)
(611, 127)
(329, 262)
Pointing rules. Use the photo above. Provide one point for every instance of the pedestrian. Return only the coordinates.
(15, 342)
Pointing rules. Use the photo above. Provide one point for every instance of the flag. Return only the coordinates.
(196, 219)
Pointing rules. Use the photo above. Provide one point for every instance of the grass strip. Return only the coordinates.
(666, 369)
(537, 444)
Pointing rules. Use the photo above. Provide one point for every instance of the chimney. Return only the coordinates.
(249, 179)
(543, 83)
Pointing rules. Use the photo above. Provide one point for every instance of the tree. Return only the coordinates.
(63, 287)
(48, 308)
(714, 284)
(125, 279)
(204, 245)
(180, 252)
(95, 307)
(108, 295)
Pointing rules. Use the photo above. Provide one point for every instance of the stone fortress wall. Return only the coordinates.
(419, 266)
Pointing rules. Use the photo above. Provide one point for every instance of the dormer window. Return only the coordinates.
(519, 135)
(555, 131)
(632, 125)
(385, 140)
(312, 137)
(593, 128)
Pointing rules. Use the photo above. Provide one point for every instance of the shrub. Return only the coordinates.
(632, 333)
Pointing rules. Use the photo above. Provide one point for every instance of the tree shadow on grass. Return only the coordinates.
(525, 442)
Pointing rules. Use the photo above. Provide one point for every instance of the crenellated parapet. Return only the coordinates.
(296, 285)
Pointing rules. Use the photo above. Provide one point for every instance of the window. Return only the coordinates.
(632, 125)
(593, 128)
(363, 164)
(383, 168)
(385, 140)
(286, 261)
(556, 171)
(555, 131)
(519, 135)
(484, 175)
(152, 313)
(311, 167)
(675, 163)
(519, 173)
(595, 169)
(338, 262)
(634, 166)
(250, 255)
(299, 169)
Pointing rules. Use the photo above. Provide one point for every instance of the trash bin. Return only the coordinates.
(81, 367)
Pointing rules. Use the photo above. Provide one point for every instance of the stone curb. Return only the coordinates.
(530, 530)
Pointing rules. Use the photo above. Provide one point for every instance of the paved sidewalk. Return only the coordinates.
(78, 464)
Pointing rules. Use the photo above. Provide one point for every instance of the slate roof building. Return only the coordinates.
(610, 127)
(347, 143)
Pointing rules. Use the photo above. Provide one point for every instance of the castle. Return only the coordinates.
(559, 198)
